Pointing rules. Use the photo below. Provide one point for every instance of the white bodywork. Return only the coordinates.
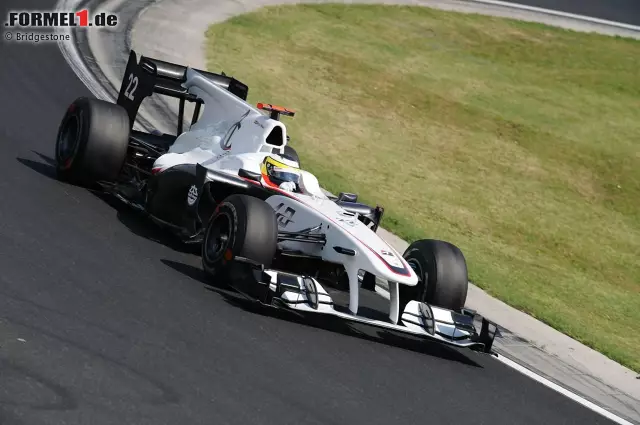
(232, 134)
(343, 229)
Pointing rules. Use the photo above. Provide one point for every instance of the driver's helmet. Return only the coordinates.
(277, 170)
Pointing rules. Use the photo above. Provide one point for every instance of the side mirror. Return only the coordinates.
(347, 197)
(251, 175)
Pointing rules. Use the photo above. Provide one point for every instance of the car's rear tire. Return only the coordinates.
(92, 141)
(442, 273)
(240, 226)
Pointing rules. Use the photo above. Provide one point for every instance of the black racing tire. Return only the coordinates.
(442, 273)
(290, 153)
(92, 141)
(240, 226)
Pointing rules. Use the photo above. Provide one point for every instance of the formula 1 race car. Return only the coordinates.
(232, 183)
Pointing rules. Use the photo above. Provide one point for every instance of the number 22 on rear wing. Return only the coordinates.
(138, 82)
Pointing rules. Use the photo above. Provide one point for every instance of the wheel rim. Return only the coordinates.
(68, 142)
(413, 263)
(217, 238)
(417, 268)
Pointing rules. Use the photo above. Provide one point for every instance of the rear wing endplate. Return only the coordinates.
(151, 76)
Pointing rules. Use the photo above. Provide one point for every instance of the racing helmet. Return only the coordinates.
(276, 170)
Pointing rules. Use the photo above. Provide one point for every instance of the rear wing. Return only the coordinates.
(151, 76)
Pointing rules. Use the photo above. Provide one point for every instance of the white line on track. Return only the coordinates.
(565, 392)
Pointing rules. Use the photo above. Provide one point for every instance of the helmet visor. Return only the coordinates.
(280, 176)
(278, 172)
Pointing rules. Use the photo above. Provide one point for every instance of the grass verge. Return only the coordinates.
(516, 141)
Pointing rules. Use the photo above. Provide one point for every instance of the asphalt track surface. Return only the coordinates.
(104, 321)
(626, 11)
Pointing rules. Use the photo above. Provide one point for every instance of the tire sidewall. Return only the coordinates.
(67, 167)
(425, 271)
(217, 265)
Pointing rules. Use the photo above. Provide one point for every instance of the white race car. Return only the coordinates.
(233, 184)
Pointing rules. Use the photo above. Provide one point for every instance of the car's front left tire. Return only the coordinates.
(241, 226)
(92, 141)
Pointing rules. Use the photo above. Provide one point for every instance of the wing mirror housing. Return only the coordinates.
(347, 197)
(251, 175)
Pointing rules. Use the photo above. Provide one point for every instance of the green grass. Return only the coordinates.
(516, 141)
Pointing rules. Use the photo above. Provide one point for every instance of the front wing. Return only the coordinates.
(306, 295)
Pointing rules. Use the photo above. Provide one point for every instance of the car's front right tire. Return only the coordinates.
(442, 275)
